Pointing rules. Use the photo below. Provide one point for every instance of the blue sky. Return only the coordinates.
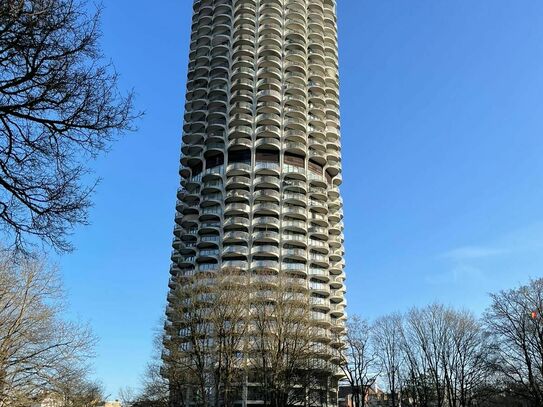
(442, 124)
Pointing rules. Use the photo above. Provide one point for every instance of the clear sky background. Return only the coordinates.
(442, 125)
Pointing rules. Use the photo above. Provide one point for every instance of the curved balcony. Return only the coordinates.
(319, 246)
(210, 212)
(319, 273)
(296, 212)
(269, 182)
(266, 237)
(320, 318)
(337, 310)
(333, 192)
(334, 217)
(210, 227)
(192, 182)
(268, 108)
(240, 132)
(269, 73)
(183, 194)
(235, 251)
(238, 195)
(269, 61)
(318, 232)
(295, 186)
(235, 237)
(338, 325)
(322, 334)
(336, 228)
(187, 208)
(336, 295)
(295, 198)
(266, 250)
(335, 203)
(238, 182)
(213, 173)
(267, 168)
(294, 172)
(265, 266)
(238, 169)
(239, 143)
(333, 168)
(294, 225)
(208, 254)
(267, 195)
(336, 267)
(178, 231)
(336, 255)
(268, 119)
(272, 132)
(269, 96)
(236, 209)
(319, 288)
(318, 193)
(266, 222)
(213, 199)
(295, 282)
(266, 209)
(294, 239)
(178, 244)
(320, 303)
(294, 254)
(236, 222)
(295, 268)
(268, 143)
(186, 221)
(337, 180)
(336, 282)
(208, 240)
(185, 261)
(319, 259)
(319, 210)
(177, 257)
(296, 147)
(335, 241)
(211, 186)
(241, 107)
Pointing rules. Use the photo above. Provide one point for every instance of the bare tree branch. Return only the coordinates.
(59, 107)
(40, 353)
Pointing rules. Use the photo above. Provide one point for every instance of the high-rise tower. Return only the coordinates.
(259, 197)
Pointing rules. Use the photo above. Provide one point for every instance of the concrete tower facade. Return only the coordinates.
(260, 173)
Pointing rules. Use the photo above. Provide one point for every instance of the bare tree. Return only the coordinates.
(446, 356)
(427, 331)
(230, 328)
(283, 350)
(465, 359)
(205, 343)
(515, 322)
(418, 384)
(155, 391)
(229, 319)
(79, 392)
(188, 342)
(387, 339)
(359, 360)
(127, 396)
(39, 352)
(59, 106)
